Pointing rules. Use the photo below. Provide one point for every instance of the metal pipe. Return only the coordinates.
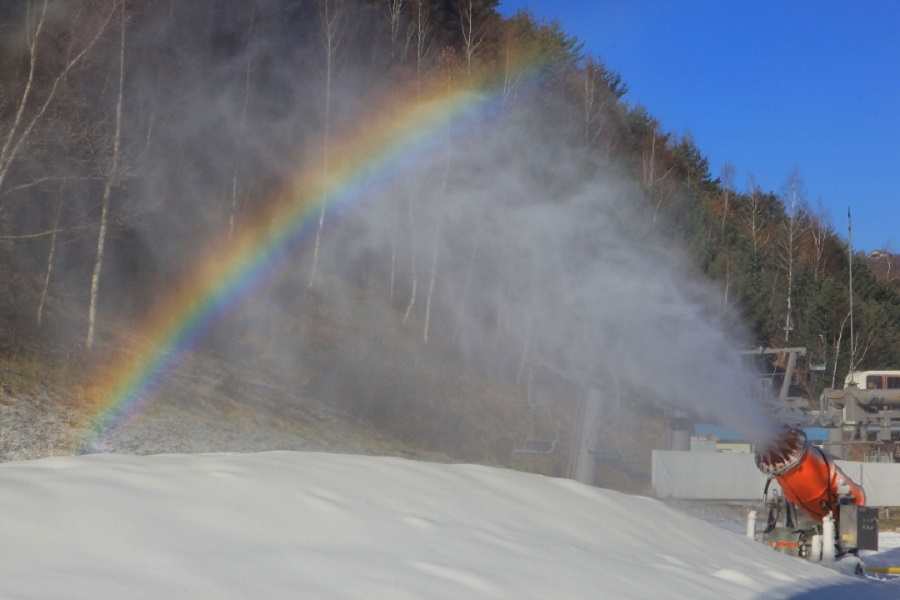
(585, 461)
(828, 549)
(815, 550)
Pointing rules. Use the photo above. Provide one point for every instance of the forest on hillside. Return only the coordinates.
(136, 135)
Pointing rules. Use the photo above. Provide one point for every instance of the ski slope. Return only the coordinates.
(316, 525)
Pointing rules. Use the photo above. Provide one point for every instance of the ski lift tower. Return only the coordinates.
(784, 403)
(584, 459)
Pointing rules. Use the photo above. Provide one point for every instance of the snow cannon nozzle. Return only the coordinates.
(782, 453)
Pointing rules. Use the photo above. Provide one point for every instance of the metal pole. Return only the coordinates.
(850, 251)
(834, 445)
(584, 459)
(788, 374)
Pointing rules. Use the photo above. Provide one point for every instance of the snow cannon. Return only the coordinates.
(807, 476)
(832, 521)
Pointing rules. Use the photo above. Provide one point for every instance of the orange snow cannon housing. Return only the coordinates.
(808, 477)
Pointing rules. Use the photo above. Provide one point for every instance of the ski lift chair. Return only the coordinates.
(537, 444)
(817, 357)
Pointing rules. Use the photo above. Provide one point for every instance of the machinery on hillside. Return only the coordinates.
(778, 390)
(869, 403)
(865, 410)
(820, 513)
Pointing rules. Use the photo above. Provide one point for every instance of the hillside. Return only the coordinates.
(235, 234)
(210, 403)
(212, 413)
(439, 411)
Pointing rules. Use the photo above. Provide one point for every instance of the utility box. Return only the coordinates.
(858, 527)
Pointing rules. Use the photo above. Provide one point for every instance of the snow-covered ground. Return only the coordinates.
(319, 525)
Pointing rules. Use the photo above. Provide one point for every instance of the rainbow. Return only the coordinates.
(230, 270)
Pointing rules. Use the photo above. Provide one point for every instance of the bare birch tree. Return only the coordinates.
(472, 33)
(836, 344)
(242, 118)
(591, 103)
(401, 35)
(331, 14)
(820, 231)
(423, 41)
(51, 255)
(889, 258)
(449, 65)
(755, 215)
(793, 228)
(859, 349)
(399, 41)
(111, 180)
(410, 215)
(29, 107)
(650, 165)
(512, 72)
(727, 191)
(423, 50)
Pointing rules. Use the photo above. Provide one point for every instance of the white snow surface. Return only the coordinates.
(317, 525)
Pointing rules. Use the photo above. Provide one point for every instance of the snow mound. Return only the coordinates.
(317, 525)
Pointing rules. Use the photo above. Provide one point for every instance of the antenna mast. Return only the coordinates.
(850, 257)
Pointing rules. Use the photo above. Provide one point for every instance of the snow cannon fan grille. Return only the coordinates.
(782, 454)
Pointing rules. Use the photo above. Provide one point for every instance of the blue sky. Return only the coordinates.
(769, 86)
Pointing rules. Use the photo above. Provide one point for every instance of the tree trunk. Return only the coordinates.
(16, 138)
(440, 218)
(330, 29)
(50, 256)
(412, 257)
(111, 180)
(422, 52)
(232, 217)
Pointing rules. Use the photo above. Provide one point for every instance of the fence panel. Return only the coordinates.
(723, 476)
